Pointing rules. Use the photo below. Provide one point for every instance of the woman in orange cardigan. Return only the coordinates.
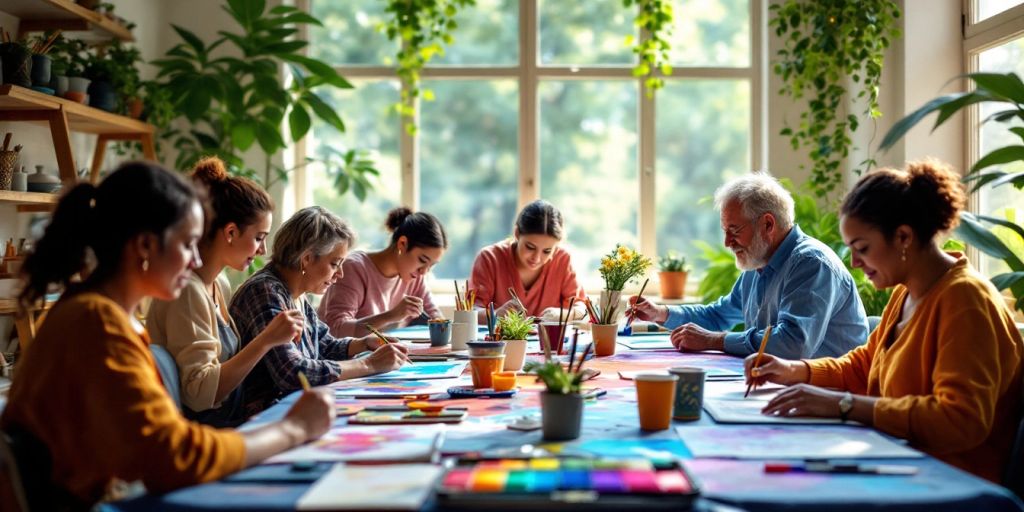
(88, 389)
(943, 368)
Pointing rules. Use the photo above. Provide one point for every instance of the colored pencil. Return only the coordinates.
(757, 360)
(458, 296)
(304, 381)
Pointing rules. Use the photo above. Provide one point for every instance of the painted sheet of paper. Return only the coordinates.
(389, 487)
(426, 370)
(791, 442)
(725, 402)
(392, 388)
(647, 342)
(347, 443)
(710, 374)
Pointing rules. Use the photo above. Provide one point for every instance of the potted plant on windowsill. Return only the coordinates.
(561, 403)
(673, 270)
(513, 329)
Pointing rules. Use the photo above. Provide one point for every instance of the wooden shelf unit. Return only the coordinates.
(65, 116)
(29, 201)
(41, 15)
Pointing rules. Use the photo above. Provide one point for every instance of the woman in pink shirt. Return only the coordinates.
(385, 288)
(533, 265)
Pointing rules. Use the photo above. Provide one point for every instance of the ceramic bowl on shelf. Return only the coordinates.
(44, 187)
(43, 182)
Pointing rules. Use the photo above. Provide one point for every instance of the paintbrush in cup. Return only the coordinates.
(757, 360)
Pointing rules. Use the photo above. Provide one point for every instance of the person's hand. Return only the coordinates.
(647, 310)
(284, 328)
(804, 400)
(775, 370)
(372, 342)
(386, 358)
(511, 305)
(695, 338)
(409, 307)
(313, 412)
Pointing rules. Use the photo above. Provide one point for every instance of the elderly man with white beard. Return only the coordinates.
(790, 281)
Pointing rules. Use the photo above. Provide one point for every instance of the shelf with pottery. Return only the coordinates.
(29, 201)
(65, 116)
(41, 15)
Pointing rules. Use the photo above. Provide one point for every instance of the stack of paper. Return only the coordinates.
(391, 487)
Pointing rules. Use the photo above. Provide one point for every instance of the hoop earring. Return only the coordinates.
(145, 264)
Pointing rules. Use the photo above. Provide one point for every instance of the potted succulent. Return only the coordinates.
(617, 268)
(513, 329)
(561, 403)
(673, 270)
(69, 58)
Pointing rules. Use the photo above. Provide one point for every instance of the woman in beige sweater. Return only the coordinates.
(196, 327)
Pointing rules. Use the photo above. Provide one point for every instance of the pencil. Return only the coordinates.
(304, 381)
(757, 360)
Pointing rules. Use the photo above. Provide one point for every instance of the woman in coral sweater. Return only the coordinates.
(943, 368)
(532, 264)
(89, 396)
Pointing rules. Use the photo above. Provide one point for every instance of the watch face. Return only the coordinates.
(846, 403)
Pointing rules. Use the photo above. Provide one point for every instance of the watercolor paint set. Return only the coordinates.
(566, 483)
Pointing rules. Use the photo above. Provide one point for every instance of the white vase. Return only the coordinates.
(611, 299)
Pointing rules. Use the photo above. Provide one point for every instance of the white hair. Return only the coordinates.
(758, 193)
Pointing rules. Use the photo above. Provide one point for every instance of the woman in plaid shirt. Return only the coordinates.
(308, 252)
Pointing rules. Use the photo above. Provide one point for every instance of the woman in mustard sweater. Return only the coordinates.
(88, 389)
(943, 368)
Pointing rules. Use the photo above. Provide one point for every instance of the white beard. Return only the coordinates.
(756, 254)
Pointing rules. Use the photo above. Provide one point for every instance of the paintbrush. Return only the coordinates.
(632, 311)
(458, 296)
(586, 352)
(304, 381)
(515, 297)
(572, 351)
(383, 339)
(757, 360)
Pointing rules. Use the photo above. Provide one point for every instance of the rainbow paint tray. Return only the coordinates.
(566, 484)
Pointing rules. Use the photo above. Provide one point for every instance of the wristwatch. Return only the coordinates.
(845, 405)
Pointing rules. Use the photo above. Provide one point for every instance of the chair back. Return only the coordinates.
(168, 369)
(26, 461)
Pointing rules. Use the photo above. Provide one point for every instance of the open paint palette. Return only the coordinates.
(566, 483)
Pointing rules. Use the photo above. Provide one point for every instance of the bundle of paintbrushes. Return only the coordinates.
(464, 302)
(43, 46)
(598, 315)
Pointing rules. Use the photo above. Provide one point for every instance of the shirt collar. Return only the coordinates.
(784, 250)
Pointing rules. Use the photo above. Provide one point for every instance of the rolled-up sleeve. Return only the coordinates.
(193, 341)
(720, 315)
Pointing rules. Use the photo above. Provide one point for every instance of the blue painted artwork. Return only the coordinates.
(426, 370)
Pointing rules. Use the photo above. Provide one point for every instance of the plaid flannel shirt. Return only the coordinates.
(253, 306)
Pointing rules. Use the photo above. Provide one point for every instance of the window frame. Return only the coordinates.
(529, 73)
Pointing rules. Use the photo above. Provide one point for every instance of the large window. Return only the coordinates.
(995, 44)
(536, 99)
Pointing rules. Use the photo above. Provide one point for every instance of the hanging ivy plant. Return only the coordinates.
(827, 41)
(422, 27)
(655, 18)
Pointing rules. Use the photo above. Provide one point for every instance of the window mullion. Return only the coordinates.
(529, 155)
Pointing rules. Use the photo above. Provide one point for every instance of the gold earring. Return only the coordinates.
(903, 255)
(229, 240)
(145, 264)
(399, 252)
(303, 270)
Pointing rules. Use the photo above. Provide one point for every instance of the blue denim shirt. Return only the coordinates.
(804, 292)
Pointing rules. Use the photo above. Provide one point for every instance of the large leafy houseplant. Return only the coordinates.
(235, 100)
(999, 167)
(826, 43)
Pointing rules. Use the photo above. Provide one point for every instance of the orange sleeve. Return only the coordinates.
(484, 278)
(959, 412)
(145, 436)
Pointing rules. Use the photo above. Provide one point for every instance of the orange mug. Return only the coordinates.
(503, 381)
(655, 395)
(482, 369)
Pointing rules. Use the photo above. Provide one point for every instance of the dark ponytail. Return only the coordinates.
(139, 197)
(231, 198)
(421, 229)
(540, 218)
(926, 195)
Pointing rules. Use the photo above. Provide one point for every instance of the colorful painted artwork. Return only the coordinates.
(368, 444)
(791, 442)
(426, 370)
(388, 388)
(647, 342)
